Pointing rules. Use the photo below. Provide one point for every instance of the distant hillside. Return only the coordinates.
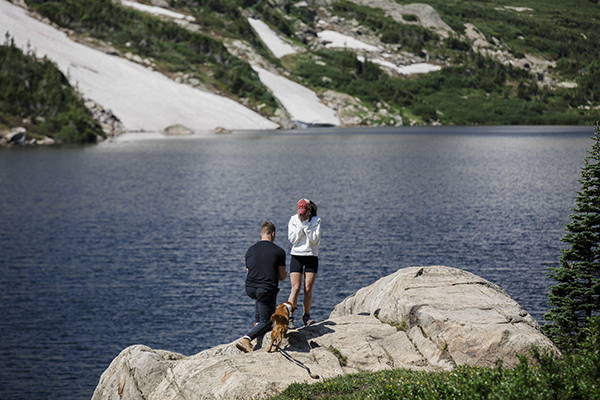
(537, 62)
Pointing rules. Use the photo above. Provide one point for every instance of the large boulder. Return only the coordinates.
(428, 319)
(452, 316)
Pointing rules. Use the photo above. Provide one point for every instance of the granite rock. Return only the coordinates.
(420, 318)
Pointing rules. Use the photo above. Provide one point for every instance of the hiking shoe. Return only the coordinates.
(244, 345)
(306, 320)
(291, 323)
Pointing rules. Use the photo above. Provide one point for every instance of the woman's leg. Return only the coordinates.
(296, 281)
(310, 275)
(309, 281)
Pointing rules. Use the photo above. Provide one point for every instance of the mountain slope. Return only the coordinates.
(498, 64)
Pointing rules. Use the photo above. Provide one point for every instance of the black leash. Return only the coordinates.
(298, 363)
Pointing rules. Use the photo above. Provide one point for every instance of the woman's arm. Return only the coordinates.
(295, 230)
(313, 231)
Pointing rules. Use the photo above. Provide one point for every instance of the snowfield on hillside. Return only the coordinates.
(278, 46)
(142, 99)
(302, 104)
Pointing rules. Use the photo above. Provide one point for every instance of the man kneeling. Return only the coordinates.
(265, 268)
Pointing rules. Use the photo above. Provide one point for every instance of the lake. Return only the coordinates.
(143, 241)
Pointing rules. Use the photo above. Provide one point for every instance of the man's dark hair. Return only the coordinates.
(267, 227)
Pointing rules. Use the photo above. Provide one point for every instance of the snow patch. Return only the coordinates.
(518, 9)
(278, 47)
(420, 68)
(143, 100)
(336, 39)
(157, 10)
(301, 103)
(567, 85)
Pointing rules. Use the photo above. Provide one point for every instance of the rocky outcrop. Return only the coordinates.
(427, 16)
(500, 51)
(452, 316)
(224, 372)
(18, 137)
(351, 112)
(14, 136)
(110, 124)
(425, 318)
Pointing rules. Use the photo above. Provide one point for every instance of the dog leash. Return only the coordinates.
(298, 363)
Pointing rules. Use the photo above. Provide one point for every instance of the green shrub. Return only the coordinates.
(36, 90)
(475, 93)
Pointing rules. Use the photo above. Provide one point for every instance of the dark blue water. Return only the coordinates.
(106, 246)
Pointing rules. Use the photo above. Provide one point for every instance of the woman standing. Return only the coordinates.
(304, 233)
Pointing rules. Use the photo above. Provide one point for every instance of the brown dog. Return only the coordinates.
(280, 320)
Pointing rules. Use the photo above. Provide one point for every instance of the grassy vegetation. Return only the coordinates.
(474, 90)
(37, 92)
(343, 360)
(576, 376)
(224, 19)
(565, 31)
(478, 91)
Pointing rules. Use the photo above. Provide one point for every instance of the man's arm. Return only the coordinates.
(282, 273)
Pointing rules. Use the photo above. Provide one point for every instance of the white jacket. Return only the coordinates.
(305, 237)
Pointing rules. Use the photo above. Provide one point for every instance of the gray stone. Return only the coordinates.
(177, 130)
(16, 135)
(110, 124)
(426, 319)
(220, 129)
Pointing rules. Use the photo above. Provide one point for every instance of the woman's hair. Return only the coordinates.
(312, 210)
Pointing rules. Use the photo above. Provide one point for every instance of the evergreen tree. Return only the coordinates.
(576, 297)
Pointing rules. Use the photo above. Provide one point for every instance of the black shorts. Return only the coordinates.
(304, 264)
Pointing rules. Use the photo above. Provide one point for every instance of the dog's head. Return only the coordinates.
(290, 307)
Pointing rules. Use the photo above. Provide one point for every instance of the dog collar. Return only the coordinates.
(289, 308)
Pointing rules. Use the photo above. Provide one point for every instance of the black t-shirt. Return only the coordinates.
(263, 260)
